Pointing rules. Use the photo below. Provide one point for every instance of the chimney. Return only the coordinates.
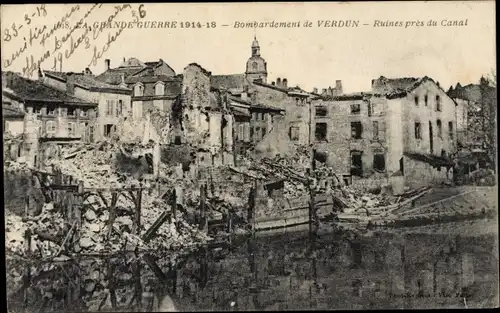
(338, 87)
(70, 86)
(273, 83)
(124, 60)
(278, 82)
(10, 79)
(315, 90)
(285, 83)
(437, 83)
(88, 71)
(107, 64)
(330, 91)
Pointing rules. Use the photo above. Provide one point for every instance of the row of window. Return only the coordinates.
(159, 90)
(357, 162)
(439, 126)
(83, 130)
(321, 130)
(114, 108)
(426, 101)
(53, 111)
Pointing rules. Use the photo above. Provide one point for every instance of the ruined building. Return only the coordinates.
(114, 102)
(51, 117)
(279, 114)
(401, 132)
(154, 84)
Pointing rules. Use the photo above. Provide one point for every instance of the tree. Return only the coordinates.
(482, 115)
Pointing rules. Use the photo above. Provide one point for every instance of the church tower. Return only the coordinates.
(256, 65)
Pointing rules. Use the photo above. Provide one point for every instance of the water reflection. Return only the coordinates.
(288, 272)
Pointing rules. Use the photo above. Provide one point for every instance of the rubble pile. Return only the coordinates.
(102, 165)
(48, 230)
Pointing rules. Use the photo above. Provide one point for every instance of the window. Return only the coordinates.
(177, 140)
(320, 131)
(38, 110)
(356, 130)
(109, 107)
(71, 111)
(51, 110)
(402, 166)
(71, 129)
(450, 129)
(119, 108)
(297, 101)
(321, 111)
(84, 112)
(91, 134)
(294, 133)
(138, 90)
(426, 100)
(379, 162)
(82, 129)
(108, 129)
(416, 100)
(159, 89)
(356, 163)
(370, 108)
(240, 132)
(264, 131)
(375, 130)
(438, 103)
(418, 130)
(50, 127)
(355, 108)
(439, 129)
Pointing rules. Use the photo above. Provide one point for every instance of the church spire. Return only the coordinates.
(255, 47)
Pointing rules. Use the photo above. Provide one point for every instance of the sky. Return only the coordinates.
(307, 56)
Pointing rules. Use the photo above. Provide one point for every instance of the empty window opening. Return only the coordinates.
(320, 131)
(355, 108)
(375, 130)
(379, 162)
(418, 130)
(401, 166)
(294, 133)
(439, 129)
(321, 111)
(356, 163)
(356, 130)
(416, 100)
(347, 179)
(108, 129)
(426, 100)
(438, 103)
(51, 110)
(71, 112)
(450, 129)
(177, 140)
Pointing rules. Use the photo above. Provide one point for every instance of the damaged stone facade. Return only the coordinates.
(51, 116)
(206, 121)
(366, 135)
(114, 102)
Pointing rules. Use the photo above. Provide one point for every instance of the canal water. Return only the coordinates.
(420, 268)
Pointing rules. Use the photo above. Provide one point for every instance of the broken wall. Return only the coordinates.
(419, 174)
(205, 120)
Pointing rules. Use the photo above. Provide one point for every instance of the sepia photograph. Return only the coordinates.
(168, 157)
